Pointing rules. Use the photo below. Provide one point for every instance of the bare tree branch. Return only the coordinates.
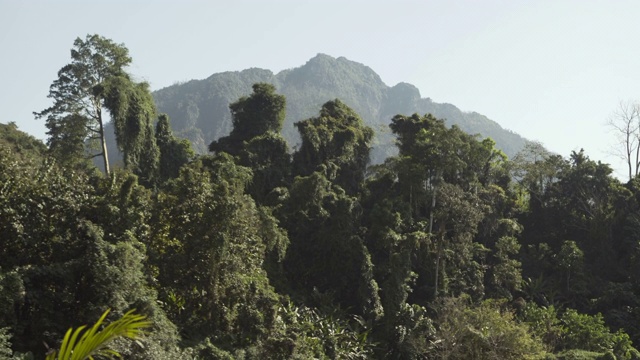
(625, 122)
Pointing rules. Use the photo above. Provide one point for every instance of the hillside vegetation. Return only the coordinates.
(447, 250)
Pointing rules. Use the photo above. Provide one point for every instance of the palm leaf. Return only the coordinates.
(94, 341)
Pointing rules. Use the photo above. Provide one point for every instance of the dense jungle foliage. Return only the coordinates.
(448, 250)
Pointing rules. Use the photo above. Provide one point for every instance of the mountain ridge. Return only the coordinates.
(199, 108)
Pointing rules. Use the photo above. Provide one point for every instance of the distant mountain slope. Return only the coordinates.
(20, 144)
(199, 108)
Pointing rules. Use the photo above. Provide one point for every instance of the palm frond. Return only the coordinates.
(94, 341)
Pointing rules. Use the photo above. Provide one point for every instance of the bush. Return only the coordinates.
(578, 335)
(485, 331)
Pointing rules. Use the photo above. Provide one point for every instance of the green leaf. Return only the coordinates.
(94, 341)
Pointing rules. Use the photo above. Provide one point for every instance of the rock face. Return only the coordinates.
(199, 108)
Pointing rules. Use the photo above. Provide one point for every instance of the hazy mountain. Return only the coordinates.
(199, 108)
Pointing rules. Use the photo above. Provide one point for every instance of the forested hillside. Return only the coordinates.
(447, 250)
(199, 108)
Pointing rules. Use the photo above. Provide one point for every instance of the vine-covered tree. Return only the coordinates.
(336, 141)
(174, 153)
(256, 140)
(205, 220)
(327, 254)
(133, 111)
(77, 114)
(261, 112)
(94, 83)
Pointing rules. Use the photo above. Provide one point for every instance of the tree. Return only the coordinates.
(256, 141)
(96, 80)
(429, 155)
(261, 112)
(173, 152)
(71, 245)
(337, 141)
(625, 123)
(439, 172)
(457, 269)
(133, 110)
(268, 157)
(327, 253)
(206, 220)
(505, 273)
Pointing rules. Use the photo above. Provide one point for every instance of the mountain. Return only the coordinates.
(199, 109)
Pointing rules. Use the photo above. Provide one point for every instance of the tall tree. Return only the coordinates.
(173, 152)
(261, 112)
(429, 155)
(256, 141)
(338, 142)
(80, 96)
(133, 110)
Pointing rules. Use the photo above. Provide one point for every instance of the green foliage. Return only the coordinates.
(571, 263)
(485, 331)
(573, 221)
(335, 143)
(573, 330)
(71, 246)
(253, 116)
(506, 275)
(5, 344)
(12, 293)
(79, 96)
(457, 219)
(543, 323)
(262, 112)
(174, 153)
(207, 350)
(255, 140)
(326, 251)
(68, 142)
(268, 157)
(94, 341)
(409, 333)
(132, 110)
(207, 221)
(584, 355)
(21, 144)
(305, 333)
(581, 331)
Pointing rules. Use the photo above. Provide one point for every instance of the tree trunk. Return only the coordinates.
(439, 259)
(438, 256)
(103, 142)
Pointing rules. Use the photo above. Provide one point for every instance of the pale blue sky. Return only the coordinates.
(552, 71)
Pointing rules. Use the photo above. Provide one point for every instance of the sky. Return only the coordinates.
(552, 71)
